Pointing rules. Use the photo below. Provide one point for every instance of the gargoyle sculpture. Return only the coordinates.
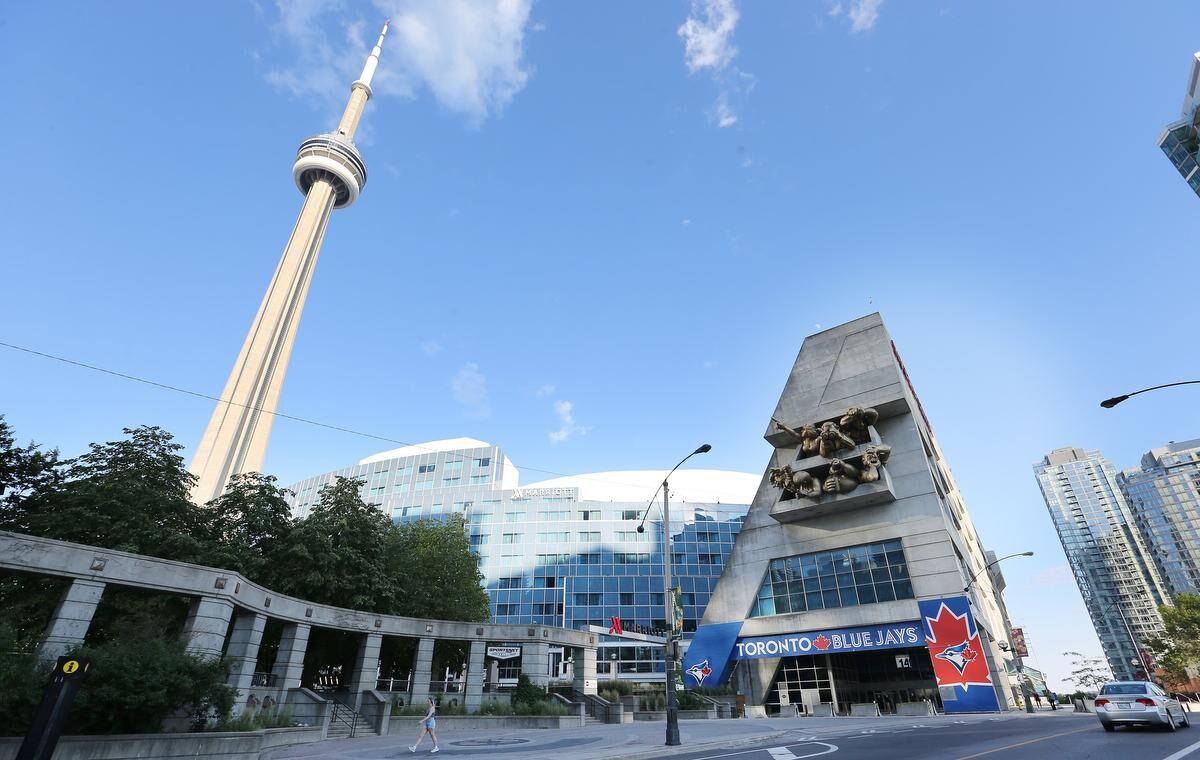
(833, 440)
(873, 458)
(810, 440)
(854, 423)
(797, 483)
(842, 477)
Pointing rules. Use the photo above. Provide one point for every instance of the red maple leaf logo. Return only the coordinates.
(821, 642)
(955, 650)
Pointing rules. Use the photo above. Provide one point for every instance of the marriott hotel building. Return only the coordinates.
(844, 589)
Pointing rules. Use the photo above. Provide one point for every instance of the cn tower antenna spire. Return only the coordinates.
(331, 174)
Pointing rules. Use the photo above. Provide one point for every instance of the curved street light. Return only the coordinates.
(669, 597)
(1109, 403)
(971, 582)
(1018, 661)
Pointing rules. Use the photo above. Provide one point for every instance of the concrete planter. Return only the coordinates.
(410, 724)
(683, 715)
(245, 745)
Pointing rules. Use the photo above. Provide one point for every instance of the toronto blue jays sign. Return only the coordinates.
(959, 661)
(831, 641)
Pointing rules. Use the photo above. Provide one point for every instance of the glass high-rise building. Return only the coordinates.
(1179, 139)
(565, 551)
(1119, 581)
(1165, 497)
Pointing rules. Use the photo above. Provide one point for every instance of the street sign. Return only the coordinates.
(623, 632)
(51, 714)
(903, 661)
(503, 653)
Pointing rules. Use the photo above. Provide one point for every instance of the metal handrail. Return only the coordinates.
(345, 716)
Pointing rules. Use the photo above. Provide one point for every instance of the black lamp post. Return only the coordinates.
(1018, 661)
(1109, 403)
(669, 597)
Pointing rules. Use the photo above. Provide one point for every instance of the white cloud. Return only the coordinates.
(566, 415)
(863, 14)
(546, 390)
(468, 53)
(470, 389)
(431, 347)
(707, 35)
(835, 10)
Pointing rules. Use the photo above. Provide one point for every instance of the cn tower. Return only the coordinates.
(330, 173)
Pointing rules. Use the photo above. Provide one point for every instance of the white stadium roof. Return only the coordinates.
(429, 447)
(696, 486)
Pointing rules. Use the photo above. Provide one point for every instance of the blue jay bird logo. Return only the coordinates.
(700, 671)
(959, 655)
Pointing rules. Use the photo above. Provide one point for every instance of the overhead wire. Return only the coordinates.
(292, 417)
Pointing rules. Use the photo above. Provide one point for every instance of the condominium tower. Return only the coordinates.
(1179, 139)
(330, 173)
(1164, 494)
(1119, 581)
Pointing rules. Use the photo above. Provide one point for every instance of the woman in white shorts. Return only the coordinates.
(428, 723)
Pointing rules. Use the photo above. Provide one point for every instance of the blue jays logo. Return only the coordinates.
(700, 671)
(959, 655)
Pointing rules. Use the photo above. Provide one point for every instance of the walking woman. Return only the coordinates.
(428, 723)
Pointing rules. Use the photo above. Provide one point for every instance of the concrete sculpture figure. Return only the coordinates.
(833, 440)
(874, 457)
(842, 477)
(855, 422)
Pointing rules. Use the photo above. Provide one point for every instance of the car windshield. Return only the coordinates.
(1123, 688)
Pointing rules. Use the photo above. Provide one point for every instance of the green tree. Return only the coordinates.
(22, 676)
(438, 576)
(129, 495)
(1177, 651)
(336, 555)
(248, 528)
(23, 470)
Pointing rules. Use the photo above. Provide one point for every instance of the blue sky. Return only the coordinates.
(569, 206)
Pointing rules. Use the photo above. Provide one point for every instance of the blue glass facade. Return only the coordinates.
(550, 556)
(1165, 496)
(863, 574)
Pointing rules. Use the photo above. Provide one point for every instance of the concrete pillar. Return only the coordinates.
(244, 641)
(289, 660)
(422, 671)
(207, 623)
(584, 669)
(72, 618)
(832, 683)
(475, 675)
(366, 666)
(535, 663)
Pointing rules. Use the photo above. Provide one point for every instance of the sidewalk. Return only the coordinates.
(641, 740)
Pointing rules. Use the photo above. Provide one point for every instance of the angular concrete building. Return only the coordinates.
(844, 592)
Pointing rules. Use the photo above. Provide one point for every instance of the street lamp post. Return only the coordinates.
(671, 645)
(1018, 661)
(1109, 403)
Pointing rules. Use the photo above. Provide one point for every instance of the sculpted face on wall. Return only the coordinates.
(822, 468)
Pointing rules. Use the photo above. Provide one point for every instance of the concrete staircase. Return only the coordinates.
(346, 723)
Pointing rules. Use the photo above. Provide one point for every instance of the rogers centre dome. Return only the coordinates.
(696, 486)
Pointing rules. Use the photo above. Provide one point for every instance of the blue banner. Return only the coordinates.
(859, 639)
(709, 660)
(959, 660)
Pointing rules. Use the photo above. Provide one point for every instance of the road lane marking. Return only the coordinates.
(828, 748)
(1028, 741)
(1185, 751)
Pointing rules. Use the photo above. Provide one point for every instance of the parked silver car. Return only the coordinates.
(1138, 702)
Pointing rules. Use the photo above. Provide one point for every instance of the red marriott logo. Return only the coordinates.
(615, 629)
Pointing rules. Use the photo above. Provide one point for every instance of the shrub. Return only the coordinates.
(255, 721)
(527, 693)
(495, 708)
(716, 691)
(621, 688)
(134, 684)
(688, 701)
(539, 708)
(654, 703)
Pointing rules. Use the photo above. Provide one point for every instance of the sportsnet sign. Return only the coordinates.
(859, 639)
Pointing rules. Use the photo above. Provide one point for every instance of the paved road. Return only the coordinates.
(994, 738)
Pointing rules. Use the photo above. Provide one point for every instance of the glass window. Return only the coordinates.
(426, 468)
(483, 462)
(589, 535)
(480, 479)
(845, 577)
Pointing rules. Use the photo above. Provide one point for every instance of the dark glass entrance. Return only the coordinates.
(885, 677)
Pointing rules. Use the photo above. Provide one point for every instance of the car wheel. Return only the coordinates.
(1186, 720)
(1171, 723)
(1109, 727)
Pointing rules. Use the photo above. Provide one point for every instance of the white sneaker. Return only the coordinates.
(412, 748)
(434, 750)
